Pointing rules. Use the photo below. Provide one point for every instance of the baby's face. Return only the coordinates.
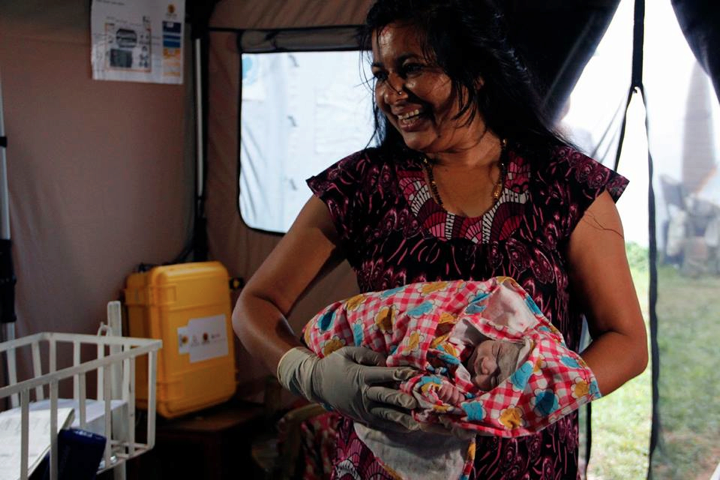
(483, 364)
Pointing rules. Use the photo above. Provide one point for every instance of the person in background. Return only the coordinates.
(468, 181)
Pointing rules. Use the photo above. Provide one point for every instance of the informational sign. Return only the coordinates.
(138, 40)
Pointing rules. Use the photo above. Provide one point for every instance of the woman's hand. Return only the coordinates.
(353, 381)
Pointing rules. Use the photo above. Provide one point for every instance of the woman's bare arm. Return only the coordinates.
(305, 253)
(600, 275)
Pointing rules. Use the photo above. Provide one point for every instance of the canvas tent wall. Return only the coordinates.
(100, 173)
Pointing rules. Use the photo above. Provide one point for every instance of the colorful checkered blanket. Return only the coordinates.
(434, 327)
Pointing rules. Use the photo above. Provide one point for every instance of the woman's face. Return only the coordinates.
(416, 96)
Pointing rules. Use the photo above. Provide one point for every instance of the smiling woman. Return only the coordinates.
(503, 195)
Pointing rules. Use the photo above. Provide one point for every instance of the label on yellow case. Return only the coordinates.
(204, 338)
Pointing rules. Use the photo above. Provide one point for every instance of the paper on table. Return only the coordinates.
(94, 415)
(39, 439)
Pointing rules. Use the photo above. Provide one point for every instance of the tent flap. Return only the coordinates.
(699, 21)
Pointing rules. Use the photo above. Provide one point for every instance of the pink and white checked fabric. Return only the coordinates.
(434, 327)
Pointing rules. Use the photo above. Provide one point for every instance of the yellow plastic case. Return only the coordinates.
(187, 306)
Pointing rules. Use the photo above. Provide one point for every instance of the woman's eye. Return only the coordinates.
(410, 68)
(380, 75)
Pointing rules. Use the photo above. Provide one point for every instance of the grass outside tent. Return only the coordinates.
(689, 331)
(621, 421)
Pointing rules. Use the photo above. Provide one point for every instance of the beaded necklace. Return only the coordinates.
(497, 189)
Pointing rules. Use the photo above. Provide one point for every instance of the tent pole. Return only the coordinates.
(4, 204)
(200, 242)
(199, 147)
(7, 275)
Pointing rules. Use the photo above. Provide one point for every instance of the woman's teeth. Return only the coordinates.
(409, 116)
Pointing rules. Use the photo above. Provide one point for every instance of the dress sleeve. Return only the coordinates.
(340, 188)
(573, 181)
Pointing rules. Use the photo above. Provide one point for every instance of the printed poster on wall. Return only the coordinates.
(137, 40)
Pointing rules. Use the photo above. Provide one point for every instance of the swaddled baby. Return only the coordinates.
(488, 360)
(491, 362)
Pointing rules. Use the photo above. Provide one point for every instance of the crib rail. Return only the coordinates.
(113, 368)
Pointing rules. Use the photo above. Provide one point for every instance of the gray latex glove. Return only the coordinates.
(350, 380)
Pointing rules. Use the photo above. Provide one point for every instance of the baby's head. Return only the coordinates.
(492, 361)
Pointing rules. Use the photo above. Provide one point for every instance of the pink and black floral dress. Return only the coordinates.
(394, 233)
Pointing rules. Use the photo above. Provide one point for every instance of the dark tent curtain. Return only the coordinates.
(699, 20)
(557, 39)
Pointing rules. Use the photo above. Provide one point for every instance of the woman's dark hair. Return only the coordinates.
(467, 40)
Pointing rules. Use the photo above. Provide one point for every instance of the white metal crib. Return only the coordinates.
(113, 367)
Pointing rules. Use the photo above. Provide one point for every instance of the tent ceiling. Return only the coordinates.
(298, 14)
(287, 14)
(39, 19)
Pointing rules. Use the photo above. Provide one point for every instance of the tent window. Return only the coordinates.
(301, 112)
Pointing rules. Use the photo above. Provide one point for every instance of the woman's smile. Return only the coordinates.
(411, 121)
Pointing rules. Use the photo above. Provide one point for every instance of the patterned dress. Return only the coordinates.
(394, 233)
